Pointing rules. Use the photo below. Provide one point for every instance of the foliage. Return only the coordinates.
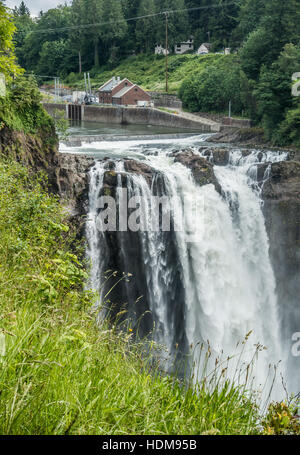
(281, 420)
(289, 129)
(274, 98)
(21, 109)
(116, 39)
(61, 123)
(8, 65)
(213, 88)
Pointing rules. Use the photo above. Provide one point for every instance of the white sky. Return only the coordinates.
(35, 6)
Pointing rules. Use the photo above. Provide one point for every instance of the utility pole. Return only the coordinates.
(166, 13)
(80, 63)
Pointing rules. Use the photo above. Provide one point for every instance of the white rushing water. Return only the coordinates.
(226, 273)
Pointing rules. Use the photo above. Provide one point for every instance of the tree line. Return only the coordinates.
(53, 42)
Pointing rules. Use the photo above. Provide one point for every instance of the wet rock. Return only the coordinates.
(284, 182)
(247, 136)
(139, 168)
(71, 175)
(261, 171)
(202, 170)
(219, 157)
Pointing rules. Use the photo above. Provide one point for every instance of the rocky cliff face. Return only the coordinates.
(281, 194)
(38, 151)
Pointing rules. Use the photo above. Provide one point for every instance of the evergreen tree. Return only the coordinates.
(145, 28)
(178, 22)
(250, 15)
(23, 10)
(114, 30)
(278, 26)
(222, 21)
(77, 35)
(93, 14)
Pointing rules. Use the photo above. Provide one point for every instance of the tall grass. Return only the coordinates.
(60, 373)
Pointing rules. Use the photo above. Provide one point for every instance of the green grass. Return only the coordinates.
(148, 71)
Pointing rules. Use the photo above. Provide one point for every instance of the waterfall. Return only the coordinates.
(215, 288)
(96, 245)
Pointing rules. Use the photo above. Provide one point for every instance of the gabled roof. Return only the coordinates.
(111, 84)
(123, 91)
(108, 86)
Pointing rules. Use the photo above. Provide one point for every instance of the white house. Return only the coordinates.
(159, 50)
(204, 49)
(185, 46)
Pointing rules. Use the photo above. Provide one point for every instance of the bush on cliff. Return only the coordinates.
(21, 108)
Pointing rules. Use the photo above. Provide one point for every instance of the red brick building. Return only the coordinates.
(122, 93)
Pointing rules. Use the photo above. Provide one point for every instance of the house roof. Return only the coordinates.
(111, 84)
(108, 86)
(207, 45)
(123, 91)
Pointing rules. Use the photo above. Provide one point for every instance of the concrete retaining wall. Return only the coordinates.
(237, 123)
(137, 116)
(165, 100)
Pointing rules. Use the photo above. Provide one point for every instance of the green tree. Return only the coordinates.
(8, 65)
(278, 26)
(145, 28)
(114, 30)
(94, 14)
(77, 35)
(273, 93)
(223, 19)
(213, 88)
(52, 26)
(22, 10)
(53, 55)
(178, 23)
(24, 24)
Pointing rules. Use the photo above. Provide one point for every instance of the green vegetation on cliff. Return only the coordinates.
(21, 108)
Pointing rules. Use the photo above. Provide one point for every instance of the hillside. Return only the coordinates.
(148, 71)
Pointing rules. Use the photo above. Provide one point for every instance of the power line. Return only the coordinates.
(161, 13)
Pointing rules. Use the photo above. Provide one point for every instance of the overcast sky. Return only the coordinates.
(35, 6)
